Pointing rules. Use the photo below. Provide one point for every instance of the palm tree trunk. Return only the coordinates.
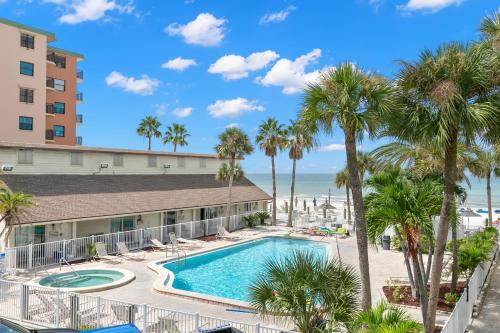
(421, 288)
(175, 147)
(273, 219)
(454, 258)
(429, 261)
(488, 194)
(349, 220)
(292, 190)
(450, 175)
(407, 263)
(359, 219)
(230, 195)
(149, 143)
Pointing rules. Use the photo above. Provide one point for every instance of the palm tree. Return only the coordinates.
(386, 318)
(342, 179)
(298, 140)
(366, 163)
(446, 96)
(13, 205)
(271, 138)
(485, 165)
(149, 128)
(354, 100)
(315, 293)
(490, 28)
(233, 145)
(407, 205)
(176, 135)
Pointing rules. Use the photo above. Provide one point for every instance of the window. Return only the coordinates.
(25, 156)
(76, 159)
(25, 95)
(26, 68)
(59, 108)
(27, 41)
(26, 123)
(169, 218)
(181, 162)
(59, 131)
(119, 224)
(248, 206)
(118, 160)
(152, 163)
(60, 61)
(59, 85)
(203, 163)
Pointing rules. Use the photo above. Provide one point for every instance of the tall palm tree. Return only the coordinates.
(176, 134)
(233, 145)
(298, 140)
(315, 293)
(386, 318)
(13, 205)
(366, 164)
(354, 100)
(149, 128)
(490, 28)
(486, 164)
(342, 180)
(271, 138)
(446, 95)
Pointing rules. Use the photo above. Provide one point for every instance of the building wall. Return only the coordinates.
(59, 162)
(11, 53)
(92, 227)
(68, 97)
(150, 221)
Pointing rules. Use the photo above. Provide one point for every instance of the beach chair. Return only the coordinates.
(185, 242)
(125, 252)
(157, 245)
(222, 233)
(102, 253)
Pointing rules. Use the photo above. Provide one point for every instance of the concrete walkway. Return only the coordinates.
(488, 320)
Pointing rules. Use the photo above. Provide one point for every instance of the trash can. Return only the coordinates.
(386, 242)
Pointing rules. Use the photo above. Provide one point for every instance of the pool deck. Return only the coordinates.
(383, 264)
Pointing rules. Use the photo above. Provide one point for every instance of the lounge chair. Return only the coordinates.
(125, 252)
(157, 245)
(124, 313)
(224, 234)
(164, 325)
(182, 241)
(102, 253)
(83, 317)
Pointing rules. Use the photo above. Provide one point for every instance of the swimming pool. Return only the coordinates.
(88, 279)
(229, 271)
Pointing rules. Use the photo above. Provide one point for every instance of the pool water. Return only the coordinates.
(86, 278)
(229, 272)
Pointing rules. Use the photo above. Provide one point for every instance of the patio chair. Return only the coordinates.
(83, 317)
(125, 252)
(164, 325)
(124, 313)
(224, 234)
(157, 245)
(182, 241)
(102, 253)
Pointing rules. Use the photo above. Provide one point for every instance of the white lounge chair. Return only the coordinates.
(157, 245)
(125, 252)
(102, 253)
(183, 241)
(224, 234)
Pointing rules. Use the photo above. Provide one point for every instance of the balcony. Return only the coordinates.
(49, 109)
(79, 97)
(50, 83)
(56, 60)
(79, 119)
(79, 76)
(49, 135)
(78, 141)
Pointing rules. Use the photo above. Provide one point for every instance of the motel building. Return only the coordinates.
(82, 191)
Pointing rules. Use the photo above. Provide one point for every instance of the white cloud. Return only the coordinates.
(428, 5)
(233, 107)
(332, 147)
(143, 86)
(182, 112)
(179, 64)
(79, 11)
(278, 16)
(234, 67)
(233, 125)
(291, 75)
(205, 30)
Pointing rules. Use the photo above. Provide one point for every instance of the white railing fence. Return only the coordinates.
(462, 313)
(34, 256)
(53, 308)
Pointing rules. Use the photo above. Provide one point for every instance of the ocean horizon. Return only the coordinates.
(309, 185)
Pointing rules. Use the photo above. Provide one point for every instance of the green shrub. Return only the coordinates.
(250, 220)
(91, 250)
(450, 298)
(397, 294)
(395, 244)
(262, 216)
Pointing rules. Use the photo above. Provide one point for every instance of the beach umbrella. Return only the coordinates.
(469, 213)
(326, 205)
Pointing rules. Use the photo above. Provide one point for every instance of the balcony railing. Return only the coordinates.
(78, 141)
(79, 97)
(50, 82)
(79, 75)
(79, 118)
(49, 134)
(49, 109)
(57, 60)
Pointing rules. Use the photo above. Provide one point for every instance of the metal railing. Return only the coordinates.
(79, 75)
(462, 313)
(50, 82)
(49, 134)
(30, 256)
(49, 108)
(79, 118)
(78, 140)
(79, 96)
(53, 308)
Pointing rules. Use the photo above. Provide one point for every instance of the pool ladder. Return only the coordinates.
(63, 260)
(181, 254)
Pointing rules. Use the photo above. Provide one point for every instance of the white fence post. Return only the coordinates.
(58, 306)
(30, 256)
(257, 328)
(141, 239)
(145, 317)
(196, 322)
(98, 319)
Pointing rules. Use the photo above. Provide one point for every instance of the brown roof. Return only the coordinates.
(68, 197)
(82, 149)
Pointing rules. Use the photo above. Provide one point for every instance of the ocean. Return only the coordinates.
(309, 185)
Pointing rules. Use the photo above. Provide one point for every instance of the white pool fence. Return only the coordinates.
(53, 308)
(35, 256)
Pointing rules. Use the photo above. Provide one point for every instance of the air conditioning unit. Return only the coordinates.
(104, 165)
(7, 167)
(166, 166)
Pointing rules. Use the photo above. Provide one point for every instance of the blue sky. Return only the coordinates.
(212, 64)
